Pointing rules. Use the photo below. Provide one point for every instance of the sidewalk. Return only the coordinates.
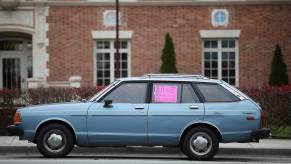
(265, 147)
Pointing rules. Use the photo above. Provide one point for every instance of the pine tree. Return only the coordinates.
(279, 75)
(168, 56)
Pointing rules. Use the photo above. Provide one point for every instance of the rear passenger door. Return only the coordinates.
(173, 106)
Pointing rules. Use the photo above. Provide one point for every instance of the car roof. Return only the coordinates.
(171, 77)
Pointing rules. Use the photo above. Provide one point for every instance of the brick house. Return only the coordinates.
(71, 42)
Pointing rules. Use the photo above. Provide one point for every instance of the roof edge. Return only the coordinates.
(155, 2)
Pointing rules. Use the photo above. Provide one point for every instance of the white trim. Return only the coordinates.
(151, 2)
(207, 34)
(111, 34)
(16, 28)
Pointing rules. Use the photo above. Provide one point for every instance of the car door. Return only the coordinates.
(124, 121)
(173, 107)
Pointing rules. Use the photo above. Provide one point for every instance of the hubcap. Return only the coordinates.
(200, 143)
(55, 140)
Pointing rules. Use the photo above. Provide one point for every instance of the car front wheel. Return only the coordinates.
(55, 140)
(200, 144)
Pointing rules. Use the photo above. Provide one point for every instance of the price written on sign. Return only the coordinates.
(165, 93)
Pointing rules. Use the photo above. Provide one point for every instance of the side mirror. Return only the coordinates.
(107, 103)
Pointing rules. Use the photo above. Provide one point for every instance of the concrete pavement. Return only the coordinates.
(278, 147)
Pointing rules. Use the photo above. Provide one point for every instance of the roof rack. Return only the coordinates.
(174, 76)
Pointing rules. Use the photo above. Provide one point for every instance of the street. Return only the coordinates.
(144, 155)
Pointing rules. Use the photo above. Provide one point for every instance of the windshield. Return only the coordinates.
(108, 87)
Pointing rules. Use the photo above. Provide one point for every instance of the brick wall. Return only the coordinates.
(262, 27)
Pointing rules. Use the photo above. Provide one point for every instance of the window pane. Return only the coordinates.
(216, 93)
(224, 43)
(207, 73)
(231, 43)
(231, 72)
(214, 55)
(207, 55)
(128, 93)
(224, 56)
(207, 64)
(166, 93)
(232, 55)
(214, 44)
(206, 44)
(188, 94)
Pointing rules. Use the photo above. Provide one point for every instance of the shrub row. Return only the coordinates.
(275, 102)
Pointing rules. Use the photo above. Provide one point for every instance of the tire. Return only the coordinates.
(200, 144)
(55, 140)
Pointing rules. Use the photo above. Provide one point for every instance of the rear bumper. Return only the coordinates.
(14, 130)
(260, 133)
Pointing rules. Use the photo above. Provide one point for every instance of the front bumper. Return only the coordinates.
(260, 133)
(14, 130)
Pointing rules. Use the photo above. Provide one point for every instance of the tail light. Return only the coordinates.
(16, 118)
(263, 121)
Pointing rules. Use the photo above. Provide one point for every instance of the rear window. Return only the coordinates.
(216, 93)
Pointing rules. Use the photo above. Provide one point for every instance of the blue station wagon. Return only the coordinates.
(188, 111)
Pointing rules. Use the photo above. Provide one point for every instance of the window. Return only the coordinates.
(216, 93)
(11, 45)
(128, 93)
(166, 93)
(107, 63)
(188, 94)
(219, 17)
(220, 60)
(109, 18)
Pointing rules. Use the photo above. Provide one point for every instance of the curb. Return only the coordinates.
(142, 151)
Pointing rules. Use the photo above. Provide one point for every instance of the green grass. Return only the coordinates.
(281, 132)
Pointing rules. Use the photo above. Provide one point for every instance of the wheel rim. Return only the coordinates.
(200, 143)
(54, 141)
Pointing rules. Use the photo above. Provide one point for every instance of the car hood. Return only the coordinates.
(70, 106)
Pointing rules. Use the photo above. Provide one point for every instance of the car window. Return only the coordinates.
(188, 94)
(128, 93)
(166, 93)
(216, 93)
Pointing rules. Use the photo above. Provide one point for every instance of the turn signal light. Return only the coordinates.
(16, 118)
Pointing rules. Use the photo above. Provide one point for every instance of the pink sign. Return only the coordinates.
(165, 93)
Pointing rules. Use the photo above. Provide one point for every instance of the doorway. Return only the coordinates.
(15, 59)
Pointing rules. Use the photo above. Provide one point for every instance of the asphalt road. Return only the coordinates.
(141, 156)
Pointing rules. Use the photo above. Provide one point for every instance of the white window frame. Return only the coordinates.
(112, 51)
(219, 51)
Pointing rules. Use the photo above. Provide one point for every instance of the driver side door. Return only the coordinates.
(124, 121)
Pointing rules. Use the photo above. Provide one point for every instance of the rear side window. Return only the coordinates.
(216, 93)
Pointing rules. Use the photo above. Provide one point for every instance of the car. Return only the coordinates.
(187, 111)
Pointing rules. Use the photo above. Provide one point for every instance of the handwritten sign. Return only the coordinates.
(165, 93)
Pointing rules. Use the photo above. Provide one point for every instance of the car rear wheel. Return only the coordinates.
(55, 140)
(200, 144)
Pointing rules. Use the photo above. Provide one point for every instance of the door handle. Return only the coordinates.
(139, 107)
(194, 107)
